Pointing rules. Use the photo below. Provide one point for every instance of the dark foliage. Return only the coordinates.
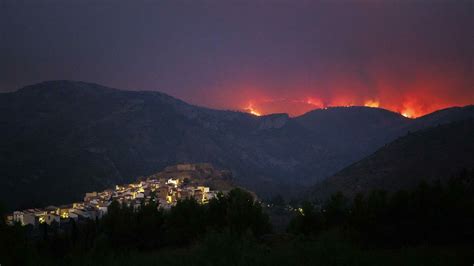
(148, 228)
(429, 214)
(430, 225)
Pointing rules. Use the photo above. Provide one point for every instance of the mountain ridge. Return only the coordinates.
(62, 138)
(432, 154)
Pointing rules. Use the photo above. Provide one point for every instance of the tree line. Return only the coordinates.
(234, 230)
(430, 214)
(148, 228)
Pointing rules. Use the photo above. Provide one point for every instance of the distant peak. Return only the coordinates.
(63, 84)
(349, 109)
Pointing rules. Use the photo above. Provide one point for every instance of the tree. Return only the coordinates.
(245, 214)
(149, 225)
(308, 221)
(336, 209)
(185, 222)
(217, 212)
(2, 215)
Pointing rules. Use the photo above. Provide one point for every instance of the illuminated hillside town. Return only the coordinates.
(161, 189)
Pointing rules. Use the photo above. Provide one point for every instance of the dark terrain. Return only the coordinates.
(60, 139)
(428, 155)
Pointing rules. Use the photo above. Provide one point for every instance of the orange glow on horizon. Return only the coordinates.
(408, 109)
(372, 103)
(412, 94)
(315, 102)
(255, 113)
(407, 114)
(251, 110)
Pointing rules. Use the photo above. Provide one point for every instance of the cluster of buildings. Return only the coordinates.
(163, 191)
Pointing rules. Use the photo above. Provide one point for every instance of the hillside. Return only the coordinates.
(60, 139)
(432, 154)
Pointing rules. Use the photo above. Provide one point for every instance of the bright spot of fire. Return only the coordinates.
(408, 113)
(410, 107)
(250, 109)
(372, 103)
(255, 113)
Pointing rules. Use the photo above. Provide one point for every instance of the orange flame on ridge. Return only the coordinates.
(372, 103)
(251, 110)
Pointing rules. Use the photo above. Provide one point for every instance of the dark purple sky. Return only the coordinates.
(274, 55)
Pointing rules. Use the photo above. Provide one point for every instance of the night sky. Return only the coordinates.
(410, 56)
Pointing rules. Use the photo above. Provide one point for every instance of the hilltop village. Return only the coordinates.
(198, 181)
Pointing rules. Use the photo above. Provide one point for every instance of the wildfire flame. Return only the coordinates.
(372, 103)
(255, 113)
(408, 113)
(411, 106)
(250, 109)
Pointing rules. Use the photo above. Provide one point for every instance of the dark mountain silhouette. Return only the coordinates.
(432, 154)
(60, 139)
